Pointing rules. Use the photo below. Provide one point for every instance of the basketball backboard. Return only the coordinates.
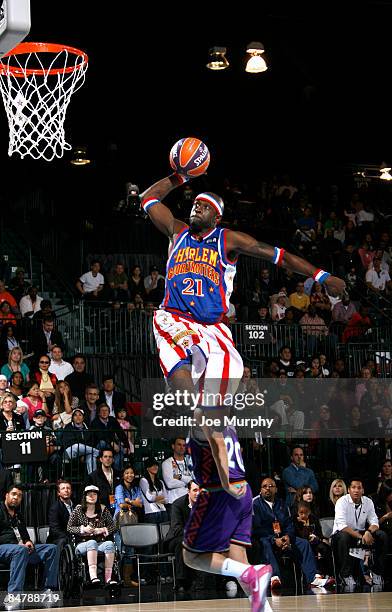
(15, 23)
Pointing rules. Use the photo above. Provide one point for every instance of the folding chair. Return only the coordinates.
(142, 535)
(43, 533)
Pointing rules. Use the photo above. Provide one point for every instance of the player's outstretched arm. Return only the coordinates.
(160, 214)
(239, 242)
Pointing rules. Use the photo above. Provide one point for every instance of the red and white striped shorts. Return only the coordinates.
(208, 350)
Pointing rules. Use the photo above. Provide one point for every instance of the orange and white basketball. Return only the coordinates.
(189, 156)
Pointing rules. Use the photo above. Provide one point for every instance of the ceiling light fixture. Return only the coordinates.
(80, 157)
(255, 63)
(217, 58)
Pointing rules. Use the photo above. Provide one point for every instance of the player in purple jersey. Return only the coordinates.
(195, 346)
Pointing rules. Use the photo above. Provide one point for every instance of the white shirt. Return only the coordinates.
(172, 467)
(61, 369)
(26, 305)
(91, 282)
(148, 498)
(109, 402)
(378, 281)
(364, 216)
(347, 515)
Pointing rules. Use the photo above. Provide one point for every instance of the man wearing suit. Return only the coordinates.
(46, 337)
(180, 512)
(108, 395)
(273, 528)
(59, 513)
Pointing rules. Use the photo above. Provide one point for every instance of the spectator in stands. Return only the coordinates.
(92, 525)
(343, 310)
(5, 482)
(30, 303)
(8, 341)
(279, 308)
(58, 366)
(267, 286)
(59, 513)
(274, 530)
(154, 286)
(45, 312)
(129, 429)
(35, 400)
(16, 384)
(385, 476)
(3, 385)
(319, 299)
(18, 286)
(47, 381)
(136, 282)
(45, 338)
(263, 315)
(128, 497)
(366, 256)
(105, 478)
(314, 329)
(299, 300)
(286, 362)
(305, 494)
(291, 419)
(17, 548)
(180, 513)
(177, 472)
(109, 435)
(78, 441)
(383, 507)
(154, 494)
(79, 379)
(357, 326)
(91, 284)
(5, 296)
(297, 475)
(307, 526)
(89, 405)
(39, 472)
(6, 316)
(16, 364)
(64, 404)
(110, 396)
(9, 419)
(336, 491)
(356, 522)
(378, 280)
(348, 259)
(118, 283)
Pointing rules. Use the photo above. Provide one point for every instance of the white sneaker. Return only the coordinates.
(231, 588)
(10, 603)
(349, 584)
(377, 580)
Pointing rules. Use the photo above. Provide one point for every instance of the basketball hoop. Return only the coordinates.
(37, 81)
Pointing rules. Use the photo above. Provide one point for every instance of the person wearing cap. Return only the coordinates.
(92, 525)
(279, 308)
(40, 471)
(78, 440)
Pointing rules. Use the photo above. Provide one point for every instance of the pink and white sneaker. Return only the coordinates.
(257, 578)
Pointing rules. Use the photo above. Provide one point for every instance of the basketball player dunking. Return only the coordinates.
(194, 345)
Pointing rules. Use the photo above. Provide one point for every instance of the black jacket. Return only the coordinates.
(72, 435)
(180, 512)
(118, 400)
(78, 382)
(111, 432)
(7, 534)
(98, 478)
(40, 345)
(58, 518)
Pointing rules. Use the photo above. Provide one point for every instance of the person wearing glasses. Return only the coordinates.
(10, 421)
(273, 530)
(46, 380)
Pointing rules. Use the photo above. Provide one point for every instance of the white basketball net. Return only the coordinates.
(36, 104)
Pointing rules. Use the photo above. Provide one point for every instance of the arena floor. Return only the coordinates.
(353, 602)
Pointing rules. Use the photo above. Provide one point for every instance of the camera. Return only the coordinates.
(130, 206)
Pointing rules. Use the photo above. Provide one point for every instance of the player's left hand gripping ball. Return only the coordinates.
(189, 157)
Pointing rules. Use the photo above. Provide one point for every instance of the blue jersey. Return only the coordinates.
(204, 467)
(199, 277)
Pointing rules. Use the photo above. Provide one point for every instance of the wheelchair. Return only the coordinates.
(74, 577)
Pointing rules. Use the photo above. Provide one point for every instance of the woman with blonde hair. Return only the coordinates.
(64, 403)
(15, 364)
(336, 490)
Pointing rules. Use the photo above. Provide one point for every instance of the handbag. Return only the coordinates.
(125, 517)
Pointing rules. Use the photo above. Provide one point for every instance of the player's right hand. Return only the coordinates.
(236, 490)
(335, 286)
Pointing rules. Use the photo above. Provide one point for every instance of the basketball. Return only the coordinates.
(189, 156)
